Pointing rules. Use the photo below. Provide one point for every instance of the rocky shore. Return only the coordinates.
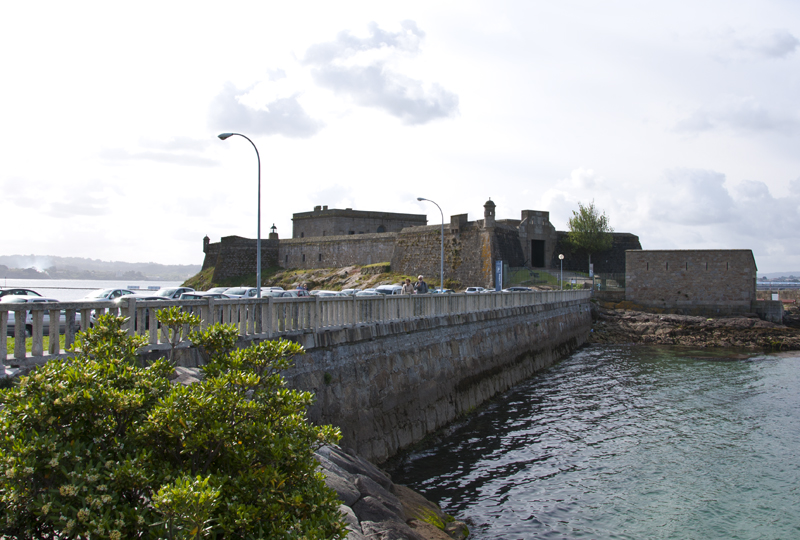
(625, 326)
(377, 509)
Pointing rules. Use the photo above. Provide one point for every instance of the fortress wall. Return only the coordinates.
(336, 251)
(236, 257)
(418, 251)
(387, 386)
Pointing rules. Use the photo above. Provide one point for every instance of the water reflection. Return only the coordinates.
(627, 442)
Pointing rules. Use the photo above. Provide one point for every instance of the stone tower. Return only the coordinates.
(488, 215)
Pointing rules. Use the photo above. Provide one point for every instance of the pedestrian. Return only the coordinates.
(420, 287)
(408, 288)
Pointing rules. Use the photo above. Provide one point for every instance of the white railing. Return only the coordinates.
(279, 316)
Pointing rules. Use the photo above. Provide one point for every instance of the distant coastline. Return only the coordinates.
(52, 267)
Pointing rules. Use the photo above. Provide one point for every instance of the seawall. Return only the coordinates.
(389, 385)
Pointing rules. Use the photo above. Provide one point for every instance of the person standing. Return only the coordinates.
(420, 287)
(408, 288)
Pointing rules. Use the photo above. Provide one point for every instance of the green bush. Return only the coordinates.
(97, 447)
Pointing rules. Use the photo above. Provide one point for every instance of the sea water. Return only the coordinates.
(629, 442)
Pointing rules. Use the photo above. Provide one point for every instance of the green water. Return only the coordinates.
(628, 442)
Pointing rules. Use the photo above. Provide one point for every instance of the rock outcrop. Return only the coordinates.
(377, 509)
(624, 326)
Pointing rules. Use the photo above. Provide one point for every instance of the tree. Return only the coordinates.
(98, 447)
(589, 230)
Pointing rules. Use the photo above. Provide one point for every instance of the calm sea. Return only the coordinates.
(68, 290)
(627, 442)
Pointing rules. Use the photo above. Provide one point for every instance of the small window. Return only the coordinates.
(320, 256)
(302, 235)
(381, 229)
(287, 259)
(351, 232)
(648, 266)
(304, 258)
(667, 266)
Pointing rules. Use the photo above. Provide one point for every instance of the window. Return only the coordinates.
(381, 229)
(302, 234)
(304, 258)
(287, 259)
(320, 256)
(351, 232)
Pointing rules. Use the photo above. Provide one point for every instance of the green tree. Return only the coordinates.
(98, 447)
(589, 230)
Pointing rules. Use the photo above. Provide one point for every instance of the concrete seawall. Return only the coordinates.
(389, 385)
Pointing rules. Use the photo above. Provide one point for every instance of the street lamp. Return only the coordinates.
(441, 260)
(224, 136)
(561, 260)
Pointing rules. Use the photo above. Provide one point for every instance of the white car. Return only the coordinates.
(242, 292)
(389, 289)
(105, 294)
(474, 290)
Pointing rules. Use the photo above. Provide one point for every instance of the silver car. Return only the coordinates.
(11, 325)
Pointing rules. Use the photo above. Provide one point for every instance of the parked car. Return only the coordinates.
(327, 294)
(202, 295)
(474, 290)
(242, 292)
(517, 289)
(389, 289)
(105, 294)
(19, 299)
(295, 293)
(368, 292)
(351, 292)
(440, 291)
(172, 293)
(217, 289)
(18, 292)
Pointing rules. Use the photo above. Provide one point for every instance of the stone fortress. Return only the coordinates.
(336, 238)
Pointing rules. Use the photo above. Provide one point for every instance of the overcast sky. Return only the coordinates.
(680, 120)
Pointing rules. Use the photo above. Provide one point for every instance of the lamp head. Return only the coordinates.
(224, 136)
(421, 199)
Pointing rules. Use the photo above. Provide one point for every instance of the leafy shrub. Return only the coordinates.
(97, 447)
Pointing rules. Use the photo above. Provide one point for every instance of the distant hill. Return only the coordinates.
(53, 267)
(776, 275)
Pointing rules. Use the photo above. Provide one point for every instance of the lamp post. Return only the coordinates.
(224, 136)
(441, 260)
(561, 260)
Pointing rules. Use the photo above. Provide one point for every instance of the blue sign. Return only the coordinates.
(498, 276)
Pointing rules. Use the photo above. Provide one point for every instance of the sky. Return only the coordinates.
(680, 120)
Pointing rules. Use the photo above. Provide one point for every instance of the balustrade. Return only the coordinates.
(261, 318)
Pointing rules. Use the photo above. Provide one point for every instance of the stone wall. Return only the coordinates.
(714, 279)
(337, 222)
(390, 385)
(336, 251)
(467, 254)
(234, 256)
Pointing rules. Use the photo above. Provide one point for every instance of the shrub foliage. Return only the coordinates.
(99, 447)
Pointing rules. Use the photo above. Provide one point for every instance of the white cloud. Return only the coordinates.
(739, 114)
(283, 116)
(361, 69)
(745, 45)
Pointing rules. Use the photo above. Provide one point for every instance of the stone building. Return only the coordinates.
(336, 222)
(712, 278)
(332, 238)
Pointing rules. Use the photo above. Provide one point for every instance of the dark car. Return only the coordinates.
(18, 292)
